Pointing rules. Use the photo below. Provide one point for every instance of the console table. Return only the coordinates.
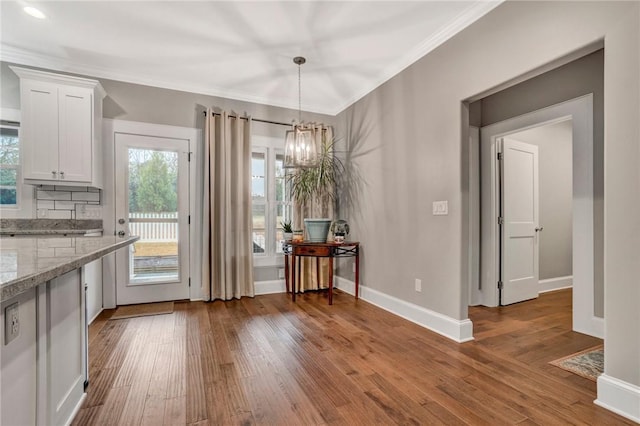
(330, 250)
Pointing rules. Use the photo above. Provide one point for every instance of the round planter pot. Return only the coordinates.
(317, 229)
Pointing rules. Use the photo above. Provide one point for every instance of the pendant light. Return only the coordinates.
(302, 142)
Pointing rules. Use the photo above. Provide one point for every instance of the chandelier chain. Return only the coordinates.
(299, 96)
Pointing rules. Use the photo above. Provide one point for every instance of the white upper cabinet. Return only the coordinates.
(60, 129)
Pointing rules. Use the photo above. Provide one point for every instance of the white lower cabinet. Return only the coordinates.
(42, 380)
(63, 320)
(18, 380)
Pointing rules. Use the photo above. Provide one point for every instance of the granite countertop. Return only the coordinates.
(28, 261)
(16, 232)
(14, 227)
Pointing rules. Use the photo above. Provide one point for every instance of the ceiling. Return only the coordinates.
(237, 49)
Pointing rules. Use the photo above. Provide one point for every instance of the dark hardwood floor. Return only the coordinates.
(267, 360)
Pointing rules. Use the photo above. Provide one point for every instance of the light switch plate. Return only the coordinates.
(440, 208)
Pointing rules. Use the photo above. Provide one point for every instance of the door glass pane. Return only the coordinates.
(153, 215)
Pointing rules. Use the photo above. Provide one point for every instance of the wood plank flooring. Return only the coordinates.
(267, 360)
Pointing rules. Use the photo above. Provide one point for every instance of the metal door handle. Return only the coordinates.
(121, 221)
(539, 229)
(121, 234)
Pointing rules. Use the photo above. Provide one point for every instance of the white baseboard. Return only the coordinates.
(76, 409)
(553, 284)
(269, 287)
(457, 330)
(618, 396)
(95, 316)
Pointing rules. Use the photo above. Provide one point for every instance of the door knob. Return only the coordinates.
(121, 221)
(539, 229)
(121, 234)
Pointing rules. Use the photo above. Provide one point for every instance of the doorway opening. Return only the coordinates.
(577, 115)
(536, 206)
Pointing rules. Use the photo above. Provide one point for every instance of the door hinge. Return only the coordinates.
(500, 285)
(189, 219)
(189, 156)
(499, 156)
(189, 281)
(500, 220)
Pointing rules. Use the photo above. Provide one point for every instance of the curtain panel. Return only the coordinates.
(227, 253)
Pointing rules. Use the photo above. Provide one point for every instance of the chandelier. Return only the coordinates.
(302, 144)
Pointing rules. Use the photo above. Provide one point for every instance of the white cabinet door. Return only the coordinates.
(65, 330)
(93, 280)
(60, 129)
(75, 134)
(18, 380)
(39, 130)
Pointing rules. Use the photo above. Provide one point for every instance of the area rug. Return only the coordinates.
(588, 363)
(130, 311)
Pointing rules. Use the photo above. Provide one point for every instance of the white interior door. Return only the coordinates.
(152, 201)
(520, 221)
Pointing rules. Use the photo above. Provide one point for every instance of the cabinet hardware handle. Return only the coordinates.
(54, 173)
(61, 175)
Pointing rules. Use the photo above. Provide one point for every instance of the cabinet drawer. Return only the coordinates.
(311, 251)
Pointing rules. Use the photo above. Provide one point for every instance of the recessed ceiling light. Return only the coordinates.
(36, 13)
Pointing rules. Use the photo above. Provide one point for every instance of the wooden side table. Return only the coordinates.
(318, 250)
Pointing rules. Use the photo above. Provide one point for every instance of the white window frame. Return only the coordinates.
(24, 192)
(271, 147)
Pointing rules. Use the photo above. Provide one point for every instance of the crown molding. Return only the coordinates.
(26, 58)
(19, 56)
(463, 20)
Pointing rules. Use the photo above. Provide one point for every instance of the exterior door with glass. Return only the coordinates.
(152, 201)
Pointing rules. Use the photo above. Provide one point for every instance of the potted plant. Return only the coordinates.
(287, 229)
(317, 185)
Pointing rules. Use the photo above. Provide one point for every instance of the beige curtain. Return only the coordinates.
(314, 208)
(227, 255)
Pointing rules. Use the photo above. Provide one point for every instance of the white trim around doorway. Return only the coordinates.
(580, 110)
(194, 136)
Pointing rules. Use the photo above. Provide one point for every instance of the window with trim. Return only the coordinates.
(10, 193)
(270, 200)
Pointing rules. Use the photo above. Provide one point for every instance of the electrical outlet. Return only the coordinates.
(11, 322)
(87, 211)
(280, 272)
(440, 208)
(418, 285)
(353, 267)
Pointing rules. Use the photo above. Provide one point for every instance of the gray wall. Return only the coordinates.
(134, 102)
(554, 142)
(577, 78)
(405, 148)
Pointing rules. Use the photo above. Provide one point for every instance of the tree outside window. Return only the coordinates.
(9, 166)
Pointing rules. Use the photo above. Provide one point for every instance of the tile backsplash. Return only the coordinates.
(60, 202)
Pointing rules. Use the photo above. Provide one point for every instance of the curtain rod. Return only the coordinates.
(254, 119)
